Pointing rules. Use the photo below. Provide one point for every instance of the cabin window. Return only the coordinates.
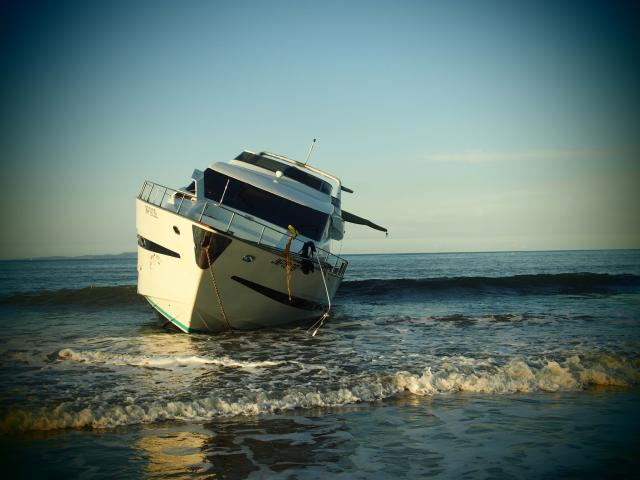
(264, 205)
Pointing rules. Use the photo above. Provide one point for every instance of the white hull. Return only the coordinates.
(251, 278)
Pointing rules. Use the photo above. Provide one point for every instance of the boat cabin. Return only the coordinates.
(277, 190)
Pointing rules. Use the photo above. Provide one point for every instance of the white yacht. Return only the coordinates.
(246, 245)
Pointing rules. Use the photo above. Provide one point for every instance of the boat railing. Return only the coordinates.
(237, 224)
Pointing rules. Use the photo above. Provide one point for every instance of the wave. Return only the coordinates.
(567, 283)
(122, 295)
(100, 357)
(460, 374)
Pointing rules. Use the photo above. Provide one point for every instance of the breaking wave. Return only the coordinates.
(457, 374)
(568, 283)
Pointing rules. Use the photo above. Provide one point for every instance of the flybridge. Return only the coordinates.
(274, 163)
(268, 162)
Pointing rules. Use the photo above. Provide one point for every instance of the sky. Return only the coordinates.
(461, 125)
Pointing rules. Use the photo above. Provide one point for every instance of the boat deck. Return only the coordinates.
(234, 223)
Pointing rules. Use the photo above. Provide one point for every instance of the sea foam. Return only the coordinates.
(122, 359)
(457, 375)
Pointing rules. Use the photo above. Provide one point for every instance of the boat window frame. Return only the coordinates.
(264, 205)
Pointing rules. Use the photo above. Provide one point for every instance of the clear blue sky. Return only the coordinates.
(461, 125)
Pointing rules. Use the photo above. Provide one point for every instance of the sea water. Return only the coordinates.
(479, 365)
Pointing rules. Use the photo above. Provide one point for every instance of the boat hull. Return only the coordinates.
(201, 279)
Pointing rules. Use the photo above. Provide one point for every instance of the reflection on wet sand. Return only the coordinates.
(236, 447)
(274, 445)
(173, 453)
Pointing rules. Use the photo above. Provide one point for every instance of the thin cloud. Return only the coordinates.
(483, 156)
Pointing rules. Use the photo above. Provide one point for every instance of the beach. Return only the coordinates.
(465, 365)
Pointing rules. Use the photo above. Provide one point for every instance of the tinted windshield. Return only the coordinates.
(264, 205)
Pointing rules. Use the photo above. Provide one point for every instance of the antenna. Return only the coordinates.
(313, 144)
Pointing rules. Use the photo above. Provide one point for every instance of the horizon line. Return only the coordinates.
(92, 256)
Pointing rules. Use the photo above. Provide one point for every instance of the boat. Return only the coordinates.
(246, 245)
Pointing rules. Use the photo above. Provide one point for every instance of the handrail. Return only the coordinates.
(257, 234)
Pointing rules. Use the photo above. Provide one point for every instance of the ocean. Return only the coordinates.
(462, 365)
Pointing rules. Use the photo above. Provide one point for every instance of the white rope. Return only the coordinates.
(320, 322)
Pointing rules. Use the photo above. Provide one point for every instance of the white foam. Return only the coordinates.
(455, 375)
(96, 356)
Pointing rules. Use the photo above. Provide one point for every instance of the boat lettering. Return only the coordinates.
(150, 211)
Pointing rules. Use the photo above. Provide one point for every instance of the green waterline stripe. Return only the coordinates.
(169, 317)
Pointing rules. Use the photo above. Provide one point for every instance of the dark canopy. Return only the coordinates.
(351, 218)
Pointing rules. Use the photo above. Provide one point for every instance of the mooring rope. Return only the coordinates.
(325, 316)
(219, 297)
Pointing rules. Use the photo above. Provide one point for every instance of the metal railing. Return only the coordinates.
(232, 222)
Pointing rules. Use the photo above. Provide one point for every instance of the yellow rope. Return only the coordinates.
(287, 257)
